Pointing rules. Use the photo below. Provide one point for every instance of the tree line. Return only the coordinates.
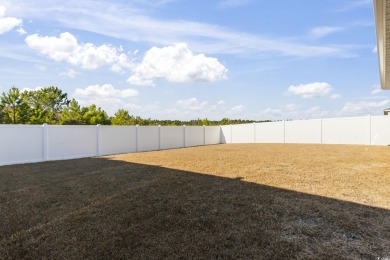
(51, 105)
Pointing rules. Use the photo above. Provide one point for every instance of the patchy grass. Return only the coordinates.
(223, 201)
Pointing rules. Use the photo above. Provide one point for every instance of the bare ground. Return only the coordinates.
(224, 201)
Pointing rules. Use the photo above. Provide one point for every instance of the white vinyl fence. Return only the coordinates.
(37, 143)
(370, 130)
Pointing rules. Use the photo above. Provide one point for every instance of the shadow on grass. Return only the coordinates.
(100, 208)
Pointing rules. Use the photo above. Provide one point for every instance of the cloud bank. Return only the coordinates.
(105, 91)
(176, 64)
(9, 23)
(311, 90)
(87, 55)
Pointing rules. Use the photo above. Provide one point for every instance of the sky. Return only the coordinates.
(184, 59)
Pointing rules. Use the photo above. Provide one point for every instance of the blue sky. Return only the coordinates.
(182, 59)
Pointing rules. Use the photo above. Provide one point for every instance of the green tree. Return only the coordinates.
(46, 104)
(225, 121)
(36, 113)
(71, 115)
(201, 122)
(13, 109)
(122, 117)
(92, 115)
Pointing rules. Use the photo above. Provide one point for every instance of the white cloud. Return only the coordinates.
(335, 96)
(139, 81)
(191, 108)
(311, 90)
(375, 49)
(270, 113)
(177, 64)
(236, 110)
(315, 112)
(364, 108)
(21, 31)
(192, 104)
(319, 32)
(295, 113)
(376, 91)
(105, 91)
(289, 111)
(131, 107)
(350, 109)
(8, 23)
(112, 105)
(106, 97)
(87, 55)
(71, 73)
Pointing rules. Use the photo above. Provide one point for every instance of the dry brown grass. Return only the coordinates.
(223, 201)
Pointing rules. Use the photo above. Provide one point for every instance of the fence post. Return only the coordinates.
(45, 142)
(284, 131)
(159, 137)
(204, 135)
(220, 135)
(136, 138)
(184, 135)
(98, 140)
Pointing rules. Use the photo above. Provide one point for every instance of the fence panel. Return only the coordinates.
(26, 143)
(194, 136)
(117, 139)
(243, 133)
(352, 130)
(21, 144)
(68, 142)
(148, 138)
(171, 137)
(303, 131)
(380, 130)
(226, 134)
(213, 135)
(270, 132)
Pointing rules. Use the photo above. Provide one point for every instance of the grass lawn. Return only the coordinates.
(224, 201)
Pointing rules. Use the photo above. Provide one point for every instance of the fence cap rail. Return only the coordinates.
(20, 126)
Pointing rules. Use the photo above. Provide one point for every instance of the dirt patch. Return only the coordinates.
(222, 201)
